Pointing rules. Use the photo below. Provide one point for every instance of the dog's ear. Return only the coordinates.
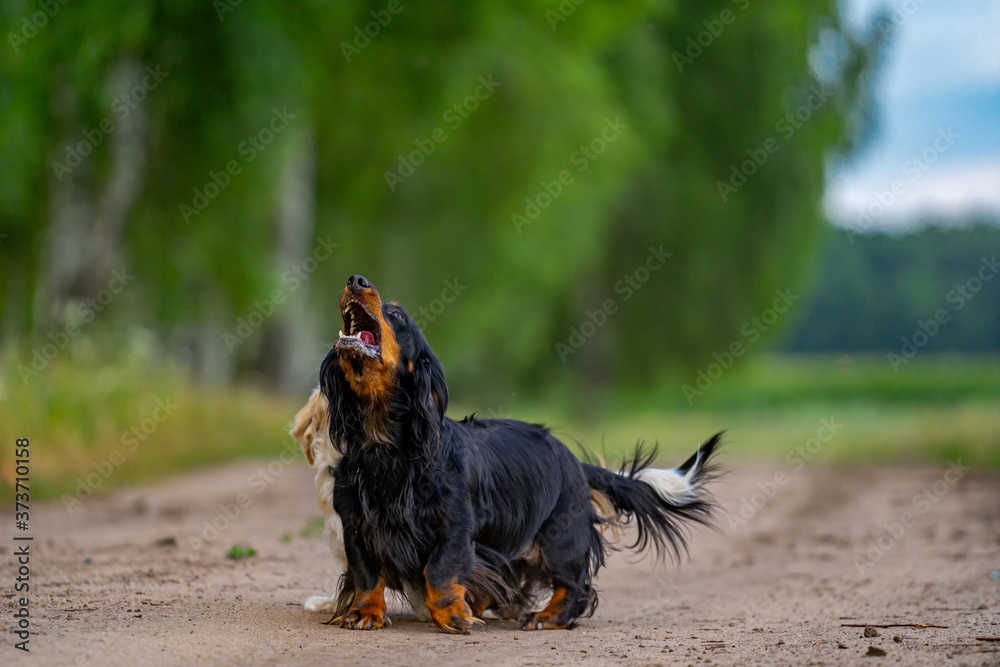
(303, 430)
(342, 408)
(430, 401)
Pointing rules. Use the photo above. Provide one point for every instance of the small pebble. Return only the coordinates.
(875, 652)
(870, 631)
(897, 639)
(841, 645)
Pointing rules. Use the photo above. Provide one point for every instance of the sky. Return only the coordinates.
(938, 100)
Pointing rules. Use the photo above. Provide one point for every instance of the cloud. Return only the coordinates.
(948, 193)
(942, 70)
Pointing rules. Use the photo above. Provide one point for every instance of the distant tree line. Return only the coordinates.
(934, 289)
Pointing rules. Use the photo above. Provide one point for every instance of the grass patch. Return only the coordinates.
(314, 527)
(778, 382)
(97, 423)
(241, 551)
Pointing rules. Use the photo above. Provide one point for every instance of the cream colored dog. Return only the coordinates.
(312, 431)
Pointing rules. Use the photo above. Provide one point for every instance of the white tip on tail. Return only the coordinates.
(670, 484)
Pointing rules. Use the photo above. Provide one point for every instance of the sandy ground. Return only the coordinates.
(775, 586)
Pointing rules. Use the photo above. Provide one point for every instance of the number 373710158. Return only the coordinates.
(22, 456)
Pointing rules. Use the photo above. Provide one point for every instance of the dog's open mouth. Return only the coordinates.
(362, 332)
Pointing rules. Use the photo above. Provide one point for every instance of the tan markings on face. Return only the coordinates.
(377, 376)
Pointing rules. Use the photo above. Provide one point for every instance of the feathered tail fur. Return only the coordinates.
(659, 500)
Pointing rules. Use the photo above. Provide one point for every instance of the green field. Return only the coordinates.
(93, 419)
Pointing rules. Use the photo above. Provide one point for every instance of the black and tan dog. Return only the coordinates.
(478, 514)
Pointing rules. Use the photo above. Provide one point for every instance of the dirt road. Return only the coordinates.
(775, 586)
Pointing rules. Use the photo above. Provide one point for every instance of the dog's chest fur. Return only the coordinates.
(394, 504)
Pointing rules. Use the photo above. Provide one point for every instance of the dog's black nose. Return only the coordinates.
(357, 283)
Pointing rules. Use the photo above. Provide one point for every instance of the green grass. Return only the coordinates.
(787, 381)
(241, 551)
(861, 433)
(81, 411)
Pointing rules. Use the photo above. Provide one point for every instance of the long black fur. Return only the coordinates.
(500, 506)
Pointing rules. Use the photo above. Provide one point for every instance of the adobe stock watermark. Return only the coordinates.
(122, 106)
(257, 482)
(31, 24)
(629, 284)
(223, 7)
(793, 121)
(696, 45)
(922, 503)
(83, 313)
(381, 18)
(912, 171)
(751, 332)
(958, 297)
(130, 441)
(898, 17)
(795, 461)
(453, 117)
(248, 149)
(562, 12)
(449, 293)
(291, 280)
(580, 159)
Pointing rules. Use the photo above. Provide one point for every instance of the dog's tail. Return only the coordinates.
(660, 500)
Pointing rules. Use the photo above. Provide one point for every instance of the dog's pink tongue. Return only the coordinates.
(367, 337)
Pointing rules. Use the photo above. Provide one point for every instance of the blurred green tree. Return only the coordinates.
(535, 153)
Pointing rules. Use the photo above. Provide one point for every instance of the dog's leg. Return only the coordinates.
(445, 594)
(558, 614)
(480, 604)
(416, 595)
(333, 532)
(448, 608)
(567, 553)
(367, 611)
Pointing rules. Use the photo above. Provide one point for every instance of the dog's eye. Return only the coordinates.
(398, 315)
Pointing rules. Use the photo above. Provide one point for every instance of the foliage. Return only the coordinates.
(854, 307)
(688, 117)
(99, 420)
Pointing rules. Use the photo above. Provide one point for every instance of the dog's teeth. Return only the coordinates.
(341, 334)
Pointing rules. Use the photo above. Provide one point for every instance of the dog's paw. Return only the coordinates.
(555, 616)
(367, 618)
(455, 618)
(449, 610)
(540, 620)
(320, 603)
